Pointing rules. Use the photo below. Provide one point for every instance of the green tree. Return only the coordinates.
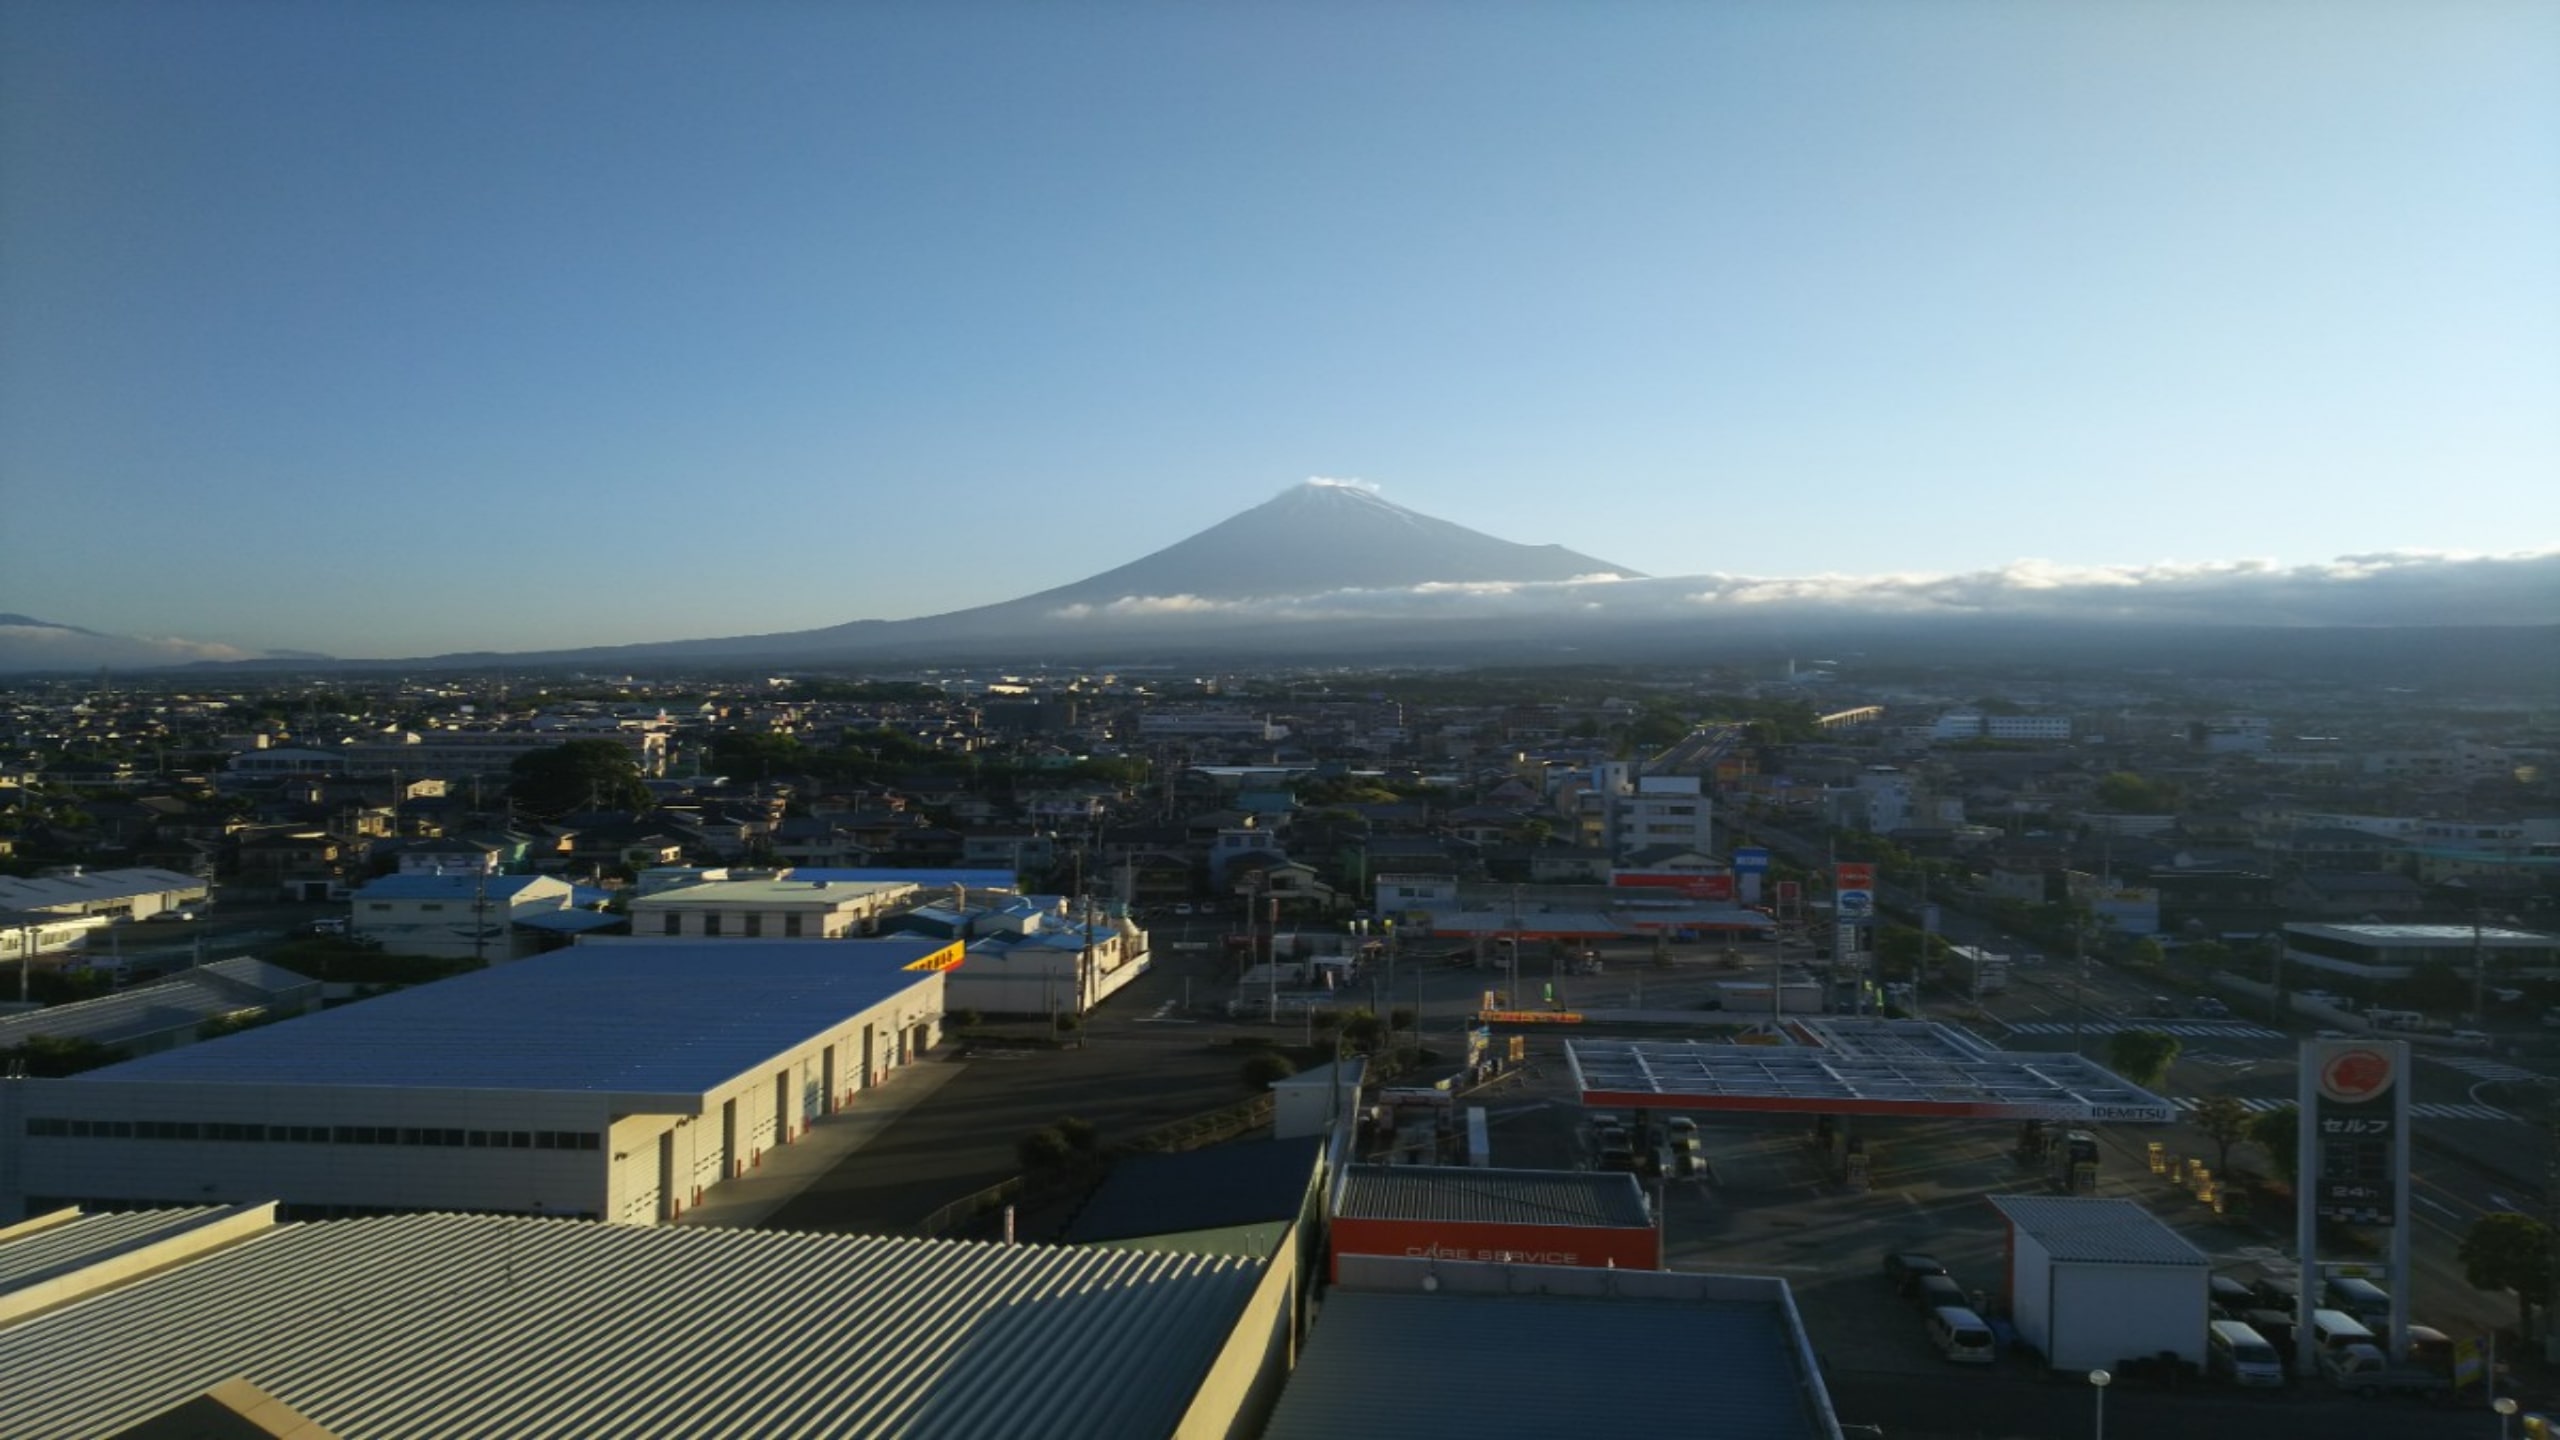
(580, 775)
(1043, 1149)
(2511, 1252)
(758, 757)
(1265, 1068)
(1362, 1030)
(2141, 1056)
(2279, 1133)
(50, 1057)
(2226, 1122)
(1401, 1017)
(2136, 794)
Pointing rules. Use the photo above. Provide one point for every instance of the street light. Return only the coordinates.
(2098, 1380)
(2505, 1405)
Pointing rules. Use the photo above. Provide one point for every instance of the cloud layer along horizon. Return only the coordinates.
(2388, 588)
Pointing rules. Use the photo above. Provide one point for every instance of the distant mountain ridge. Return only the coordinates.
(1324, 536)
(1328, 572)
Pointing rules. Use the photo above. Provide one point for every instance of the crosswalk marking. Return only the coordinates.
(2196, 1029)
(2479, 1068)
(2420, 1109)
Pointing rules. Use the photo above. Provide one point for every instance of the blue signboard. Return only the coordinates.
(1753, 861)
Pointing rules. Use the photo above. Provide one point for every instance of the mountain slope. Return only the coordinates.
(1313, 539)
(1320, 537)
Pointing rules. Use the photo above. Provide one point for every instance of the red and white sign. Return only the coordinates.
(1853, 875)
(1692, 884)
(2355, 1075)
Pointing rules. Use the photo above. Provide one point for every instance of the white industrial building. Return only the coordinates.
(1032, 955)
(462, 917)
(130, 894)
(2093, 1283)
(792, 909)
(618, 1080)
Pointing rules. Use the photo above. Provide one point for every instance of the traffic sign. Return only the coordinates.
(1854, 904)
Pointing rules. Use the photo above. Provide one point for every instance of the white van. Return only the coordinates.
(2241, 1355)
(1961, 1336)
(2336, 1329)
(2361, 1298)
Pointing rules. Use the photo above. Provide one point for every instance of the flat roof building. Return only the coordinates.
(768, 908)
(453, 1327)
(617, 1080)
(1427, 1349)
(2395, 952)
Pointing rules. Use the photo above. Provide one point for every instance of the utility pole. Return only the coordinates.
(2079, 988)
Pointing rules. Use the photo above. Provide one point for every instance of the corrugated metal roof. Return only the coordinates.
(37, 1254)
(654, 1018)
(440, 1327)
(1452, 1367)
(258, 974)
(93, 886)
(1504, 1197)
(189, 997)
(2082, 1229)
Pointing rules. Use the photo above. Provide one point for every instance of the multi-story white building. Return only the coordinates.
(1657, 810)
(769, 909)
(618, 1080)
(458, 917)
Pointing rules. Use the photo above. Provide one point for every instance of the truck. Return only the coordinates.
(1976, 971)
(2365, 1371)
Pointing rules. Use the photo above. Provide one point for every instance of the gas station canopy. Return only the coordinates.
(1858, 1067)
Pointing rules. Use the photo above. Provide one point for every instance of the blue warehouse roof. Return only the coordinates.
(645, 1017)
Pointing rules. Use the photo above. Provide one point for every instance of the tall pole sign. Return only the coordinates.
(1749, 864)
(2353, 1164)
(1853, 909)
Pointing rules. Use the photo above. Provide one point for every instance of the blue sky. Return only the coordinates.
(397, 328)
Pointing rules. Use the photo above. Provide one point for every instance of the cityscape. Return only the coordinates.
(1756, 972)
(1439, 721)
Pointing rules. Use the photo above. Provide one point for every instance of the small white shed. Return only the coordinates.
(2094, 1282)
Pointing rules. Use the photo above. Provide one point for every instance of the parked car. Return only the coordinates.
(2212, 1008)
(1906, 1268)
(329, 925)
(2229, 1297)
(2472, 1040)
(1961, 1336)
(2368, 1372)
(1929, 1292)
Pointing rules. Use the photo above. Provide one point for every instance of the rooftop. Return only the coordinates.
(1498, 1197)
(1858, 1067)
(628, 1017)
(1402, 1349)
(444, 1327)
(2081, 1229)
(772, 892)
(2428, 935)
